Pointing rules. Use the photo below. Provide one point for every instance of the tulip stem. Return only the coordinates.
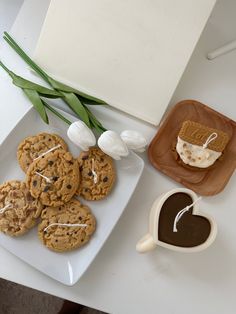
(75, 99)
(56, 113)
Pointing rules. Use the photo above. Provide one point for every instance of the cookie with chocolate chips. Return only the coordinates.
(97, 174)
(34, 146)
(59, 229)
(54, 178)
(18, 209)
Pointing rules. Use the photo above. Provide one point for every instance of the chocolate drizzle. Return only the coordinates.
(193, 230)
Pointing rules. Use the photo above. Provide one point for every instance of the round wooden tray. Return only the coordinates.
(205, 182)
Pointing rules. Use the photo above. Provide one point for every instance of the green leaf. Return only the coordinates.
(55, 84)
(11, 42)
(65, 88)
(75, 104)
(94, 120)
(37, 103)
(97, 127)
(4, 67)
(89, 101)
(73, 97)
(47, 95)
(43, 91)
(56, 113)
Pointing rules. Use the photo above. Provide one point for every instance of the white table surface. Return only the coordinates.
(120, 280)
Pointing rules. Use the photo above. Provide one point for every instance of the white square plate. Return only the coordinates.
(65, 267)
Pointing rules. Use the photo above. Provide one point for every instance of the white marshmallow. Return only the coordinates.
(195, 155)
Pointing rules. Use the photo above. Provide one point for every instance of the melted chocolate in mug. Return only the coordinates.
(193, 230)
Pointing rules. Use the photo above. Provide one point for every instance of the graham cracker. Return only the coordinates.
(197, 134)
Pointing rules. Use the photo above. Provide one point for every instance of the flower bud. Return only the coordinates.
(111, 144)
(81, 135)
(134, 140)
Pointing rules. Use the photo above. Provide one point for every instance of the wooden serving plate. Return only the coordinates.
(204, 181)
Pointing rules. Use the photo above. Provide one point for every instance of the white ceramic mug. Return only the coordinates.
(150, 240)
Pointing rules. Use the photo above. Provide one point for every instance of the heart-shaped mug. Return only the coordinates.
(176, 223)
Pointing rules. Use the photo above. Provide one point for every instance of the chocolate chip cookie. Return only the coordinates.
(53, 178)
(18, 209)
(97, 174)
(34, 146)
(59, 229)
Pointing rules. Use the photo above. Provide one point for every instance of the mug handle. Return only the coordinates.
(146, 243)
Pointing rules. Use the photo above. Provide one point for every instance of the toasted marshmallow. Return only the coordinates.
(195, 155)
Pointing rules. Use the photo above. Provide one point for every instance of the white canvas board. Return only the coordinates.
(130, 53)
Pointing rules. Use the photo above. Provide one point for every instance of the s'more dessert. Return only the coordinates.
(200, 146)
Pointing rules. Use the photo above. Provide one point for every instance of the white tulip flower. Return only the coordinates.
(111, 144)
(81, 135)
(134, 140)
